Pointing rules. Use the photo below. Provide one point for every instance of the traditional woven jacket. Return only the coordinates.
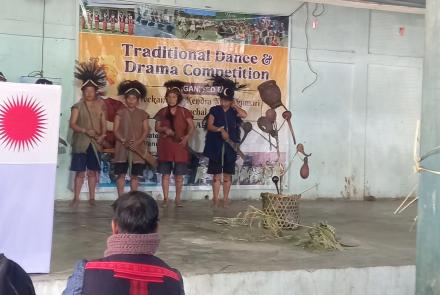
(132, 275)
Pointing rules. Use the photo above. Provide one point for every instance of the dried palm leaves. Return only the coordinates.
(320, 236)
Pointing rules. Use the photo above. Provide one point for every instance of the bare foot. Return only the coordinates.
(164, 204)
(92, 202)
(179, 204)
(74, 203)
(226, 203)
(215, 204)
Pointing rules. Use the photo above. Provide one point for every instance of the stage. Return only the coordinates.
(218, 259)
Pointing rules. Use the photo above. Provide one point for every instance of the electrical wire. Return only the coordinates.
(35, 74)
(306, 32)
(43, 38)
(296, 10)
(316, 9)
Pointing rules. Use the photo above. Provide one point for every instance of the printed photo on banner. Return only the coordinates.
(193, 46)
(256, 170)
(111, 17)
(197, 24)
(118, 17)
(155, 21)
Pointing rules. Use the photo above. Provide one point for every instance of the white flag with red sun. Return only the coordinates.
(29, 119)
(29, 123)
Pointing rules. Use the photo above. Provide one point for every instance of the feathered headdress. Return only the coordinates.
(44, 81)
(134, 87)
(174, 84)
(228, 87)
(91, 74)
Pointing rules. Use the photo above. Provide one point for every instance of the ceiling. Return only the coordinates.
(282, 7)
(409, 3)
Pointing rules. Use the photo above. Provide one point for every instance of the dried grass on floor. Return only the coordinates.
(320, 236)
(252, 217)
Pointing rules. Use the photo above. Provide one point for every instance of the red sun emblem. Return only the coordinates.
(22, 123)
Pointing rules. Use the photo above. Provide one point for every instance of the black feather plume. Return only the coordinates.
(138, 88)
(228, 87)
(170, 84)
(91, 71)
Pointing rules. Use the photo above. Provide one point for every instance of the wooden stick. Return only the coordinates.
(316, 185)
(409, 204)
(430, 153)
(146, 156)
(290, 163)
(416, 144)
(406, 199)
(264, 137)
(236, 147)
(421, 168)
(291, 131)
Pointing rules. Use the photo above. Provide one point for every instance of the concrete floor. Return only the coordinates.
(195, 245)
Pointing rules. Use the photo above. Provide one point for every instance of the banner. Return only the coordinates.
(29, 127)
(154, 44)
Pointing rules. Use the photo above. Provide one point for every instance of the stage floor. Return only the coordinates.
(192, 243)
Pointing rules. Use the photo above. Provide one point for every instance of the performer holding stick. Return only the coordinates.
(131, 130)
(175, 126)
(87, 121)
(223, 126)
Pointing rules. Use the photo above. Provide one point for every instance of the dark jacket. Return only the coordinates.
(13, 279)
(214, 141)
(87, 280)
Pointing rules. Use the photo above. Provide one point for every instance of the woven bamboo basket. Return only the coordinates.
(284, 208)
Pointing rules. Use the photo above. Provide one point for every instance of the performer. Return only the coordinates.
(121, 23)
(124, 22)
(255, 37)
(104, 22)
(113, 22)
(223, 124)
(44, 81)
(89, 16)
(175, 125)
(96, 22)
(112, 107)
(83, 22)
(87, 121)
(130, 25)
(131, 130)
(276, 41)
